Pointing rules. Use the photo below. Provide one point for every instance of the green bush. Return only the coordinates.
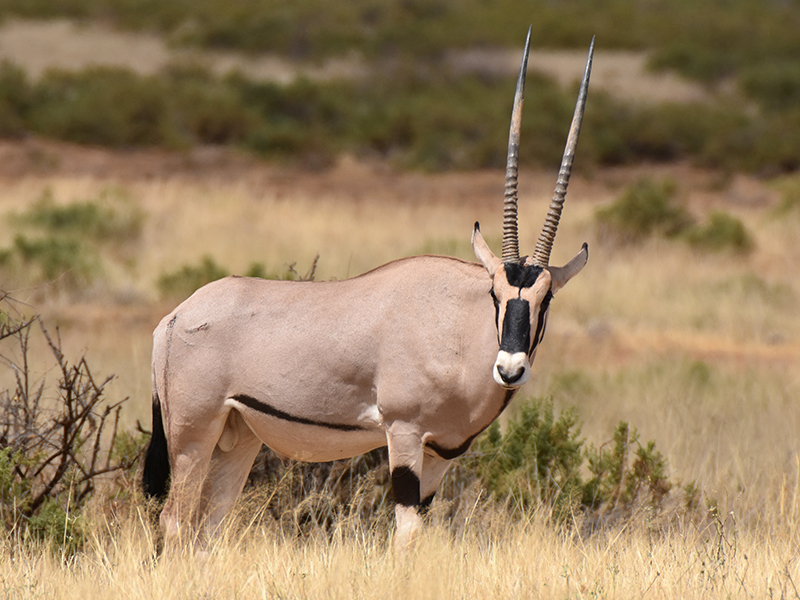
(540, 459)
(418, 115)
(188, 278)
(103, 105)
(646, 208)
(112, 217)
(15, 100)
(695, 60)
(775, 85)
(51, 259)
(537, 460)
(620, 479)
(66, 245)
(721, 232)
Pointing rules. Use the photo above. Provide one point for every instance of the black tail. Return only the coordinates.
(155, 479)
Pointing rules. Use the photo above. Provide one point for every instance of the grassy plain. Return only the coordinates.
(699, 351)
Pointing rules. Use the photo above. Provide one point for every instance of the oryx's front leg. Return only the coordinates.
(415, 478)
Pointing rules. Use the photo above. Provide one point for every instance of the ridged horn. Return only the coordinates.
(510, 230)
(541, 255)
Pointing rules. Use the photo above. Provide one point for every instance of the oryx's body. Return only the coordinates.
(328, 367)
(420, 354)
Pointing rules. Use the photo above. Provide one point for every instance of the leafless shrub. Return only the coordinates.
(56, 437)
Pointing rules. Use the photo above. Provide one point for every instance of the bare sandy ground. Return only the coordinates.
(40, 45)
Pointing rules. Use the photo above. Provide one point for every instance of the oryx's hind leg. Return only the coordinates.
(231, 463)
(415, 478)
(190, 451)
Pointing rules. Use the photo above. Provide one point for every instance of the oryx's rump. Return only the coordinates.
(318, 369)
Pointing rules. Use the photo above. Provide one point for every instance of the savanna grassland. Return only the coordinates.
(684, 324)
(697, 349)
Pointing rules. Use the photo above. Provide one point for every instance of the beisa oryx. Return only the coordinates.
(419, 355)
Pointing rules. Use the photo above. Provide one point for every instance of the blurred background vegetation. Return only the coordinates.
(414, 107)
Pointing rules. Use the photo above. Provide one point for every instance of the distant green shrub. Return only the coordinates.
(259, 270)
(420, 116)
(15, 100)
(109, 106)
(51, 259)
(695, 60)
(188, 278)
(644, 209)
(721, 232)
(647, 208)
(774, 85)
(112, 217)
(67, 245)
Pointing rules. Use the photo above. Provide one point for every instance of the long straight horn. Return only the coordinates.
(510, 232)
(541, 255)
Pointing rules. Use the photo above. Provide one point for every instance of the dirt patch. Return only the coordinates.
(40, 45)
(620, 73)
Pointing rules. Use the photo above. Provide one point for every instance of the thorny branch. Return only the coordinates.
(59, 430)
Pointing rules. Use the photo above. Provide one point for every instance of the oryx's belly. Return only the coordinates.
(307, 438)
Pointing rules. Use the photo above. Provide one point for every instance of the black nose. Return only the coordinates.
(510, 377)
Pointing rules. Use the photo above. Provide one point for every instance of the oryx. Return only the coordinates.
(420, 354)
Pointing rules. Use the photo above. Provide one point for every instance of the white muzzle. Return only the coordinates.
(511, 370)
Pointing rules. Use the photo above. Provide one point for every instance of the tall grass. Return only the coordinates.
(489, 558)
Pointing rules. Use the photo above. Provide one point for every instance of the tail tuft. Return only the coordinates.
(155, 479)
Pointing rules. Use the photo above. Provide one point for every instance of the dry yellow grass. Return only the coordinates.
(698, 351)
(488, 558)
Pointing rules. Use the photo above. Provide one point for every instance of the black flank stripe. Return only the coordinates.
(274, 412)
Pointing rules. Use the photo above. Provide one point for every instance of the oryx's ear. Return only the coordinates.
(483, 252)
(561, 275)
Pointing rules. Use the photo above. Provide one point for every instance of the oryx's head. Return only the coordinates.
(523, 287)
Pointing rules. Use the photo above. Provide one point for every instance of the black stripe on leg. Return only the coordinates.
(425, 505)
(405, 486)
